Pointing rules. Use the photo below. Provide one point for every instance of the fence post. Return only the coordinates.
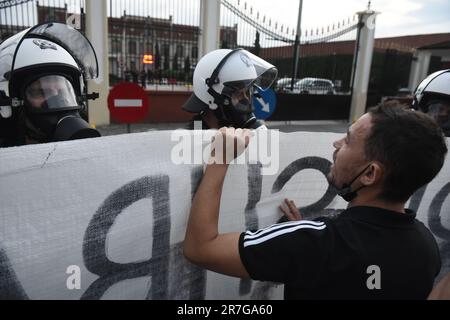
(363, 58)
(419, 68)
(209, 26)
(97, 33)
(297, 45)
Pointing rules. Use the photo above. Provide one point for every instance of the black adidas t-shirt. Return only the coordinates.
(363, 253)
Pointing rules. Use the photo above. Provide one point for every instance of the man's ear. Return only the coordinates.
(373, 175)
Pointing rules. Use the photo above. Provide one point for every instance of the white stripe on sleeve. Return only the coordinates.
(251, 235)
(250, 242)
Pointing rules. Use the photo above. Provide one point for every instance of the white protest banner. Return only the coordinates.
(105, 218)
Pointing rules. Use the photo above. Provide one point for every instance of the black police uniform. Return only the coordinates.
(10, 135)
(333, 258)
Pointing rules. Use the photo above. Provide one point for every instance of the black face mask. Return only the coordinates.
(346, 191)
(66, 124)
(229, 117)
(238, 115)
(56, 100)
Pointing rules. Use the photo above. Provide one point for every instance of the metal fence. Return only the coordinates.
(156, 42)
(326, 52)
(17, 15)
(153, 42)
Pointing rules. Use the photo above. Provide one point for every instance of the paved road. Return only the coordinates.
(291, 126)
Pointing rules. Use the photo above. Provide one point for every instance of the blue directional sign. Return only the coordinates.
(264, 103)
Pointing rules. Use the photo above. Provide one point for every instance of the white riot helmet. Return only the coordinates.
(224, 81)
(43, 71)
(432, 96)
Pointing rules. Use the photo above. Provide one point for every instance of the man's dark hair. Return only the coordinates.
(409, 144)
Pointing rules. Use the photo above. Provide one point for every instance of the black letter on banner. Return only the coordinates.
(417, 198)
(94, 244)
(321, 164)
(10, 286)
(198, 287)
(187, 280)
(251, 216)
(436, 227)
(434, 213)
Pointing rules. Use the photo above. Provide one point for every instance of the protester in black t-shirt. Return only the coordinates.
(375, 249)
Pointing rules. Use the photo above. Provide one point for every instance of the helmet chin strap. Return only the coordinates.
(346, 191)
(221, 118)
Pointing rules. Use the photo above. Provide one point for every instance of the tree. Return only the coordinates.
(187, 68)
(257, 47)
(175, 61)
(166, 57)
(157, 57)
(224, 44)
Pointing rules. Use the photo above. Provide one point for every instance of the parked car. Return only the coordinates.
(314, 86)
(284, 84)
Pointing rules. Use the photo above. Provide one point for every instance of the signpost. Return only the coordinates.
(128, 103)
(264, 103)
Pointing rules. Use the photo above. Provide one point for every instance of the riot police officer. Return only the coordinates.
(225, 82)
(43, 75)
(432, 96)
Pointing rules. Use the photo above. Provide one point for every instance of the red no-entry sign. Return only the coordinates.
(128, 102)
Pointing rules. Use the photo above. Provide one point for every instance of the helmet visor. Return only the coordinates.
(440, 112)
(266, 73)
(241, 99)
(437, 82)
(233, 87)
(50, 93)
(423, 84)
(73, 41)
(7, 51)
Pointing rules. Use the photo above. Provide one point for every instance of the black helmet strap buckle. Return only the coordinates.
(4, 99)
(219, 99)
(7, 101)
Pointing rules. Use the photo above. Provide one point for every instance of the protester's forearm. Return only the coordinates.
(204, 216)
